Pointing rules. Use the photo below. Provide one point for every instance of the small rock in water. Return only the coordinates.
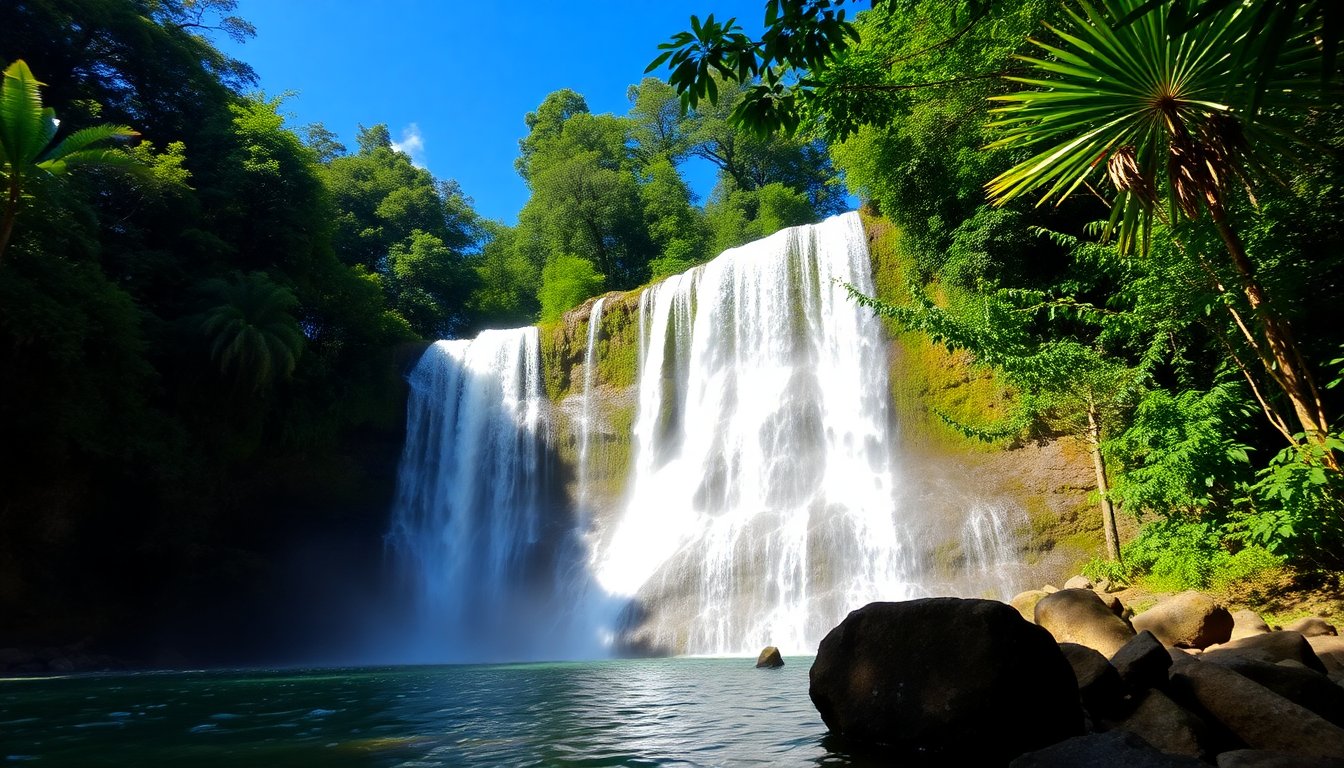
(769, 658)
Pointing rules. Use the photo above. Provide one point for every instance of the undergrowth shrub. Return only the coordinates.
(1178, 554)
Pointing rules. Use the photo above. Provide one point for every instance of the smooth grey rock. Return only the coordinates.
(1258, 717)
(1188, 620)
(1078, 582)
(1079, 616)
(1294, 682)
(1025, 603)
(1272, 647)
(1246, 623)
(1329, 651)
(1311, 626)
(1168, 726)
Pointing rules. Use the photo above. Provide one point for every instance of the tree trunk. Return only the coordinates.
(11, 212)
(1103, 487)
(1289, 368)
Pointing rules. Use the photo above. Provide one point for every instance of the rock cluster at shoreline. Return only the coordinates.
(1070, 677)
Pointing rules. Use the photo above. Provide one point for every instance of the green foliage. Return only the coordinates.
(1296, 505)
(507, 281)
(420, 234)
(1180, 451)
(27, 132)
(252, 336)
(1245, 565)
(738, 216)
(196, 360)
(1175, 554)
(917, 153)
(565, 282)
(1179, 554)
(607, 189)
(1099, 569)
(1165, 107)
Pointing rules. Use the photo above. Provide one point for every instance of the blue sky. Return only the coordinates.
(453, 80)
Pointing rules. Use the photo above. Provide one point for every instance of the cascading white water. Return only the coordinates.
(587, 415)
(472, 532)
(988, 542)
(761, 505)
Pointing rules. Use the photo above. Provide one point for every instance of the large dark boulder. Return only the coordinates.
(1099, 685)
(945, 679)
(1142, 663)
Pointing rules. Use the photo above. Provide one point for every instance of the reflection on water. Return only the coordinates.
(667, 712)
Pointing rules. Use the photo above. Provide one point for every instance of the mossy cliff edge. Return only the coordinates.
(1042, 486)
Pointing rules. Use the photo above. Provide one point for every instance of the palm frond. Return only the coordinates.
(21, 114)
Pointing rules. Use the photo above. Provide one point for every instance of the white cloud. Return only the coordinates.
(412, 143)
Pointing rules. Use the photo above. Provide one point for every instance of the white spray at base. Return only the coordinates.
(762, 504)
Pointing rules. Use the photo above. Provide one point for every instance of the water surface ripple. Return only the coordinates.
(663, 712)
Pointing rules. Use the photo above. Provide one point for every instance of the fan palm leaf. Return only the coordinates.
(26, 133)
(1160, 112)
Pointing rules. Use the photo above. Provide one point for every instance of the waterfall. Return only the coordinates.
(587, 415)
(473, 534)
(761, 506)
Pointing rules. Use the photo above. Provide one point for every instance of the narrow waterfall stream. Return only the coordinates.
(587, 416)
(762, 498)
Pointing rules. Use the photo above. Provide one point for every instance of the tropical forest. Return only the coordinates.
(489, 385)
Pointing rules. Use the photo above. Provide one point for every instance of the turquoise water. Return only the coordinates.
(662, 712)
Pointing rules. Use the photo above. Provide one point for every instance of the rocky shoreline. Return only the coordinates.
(1072, 677)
